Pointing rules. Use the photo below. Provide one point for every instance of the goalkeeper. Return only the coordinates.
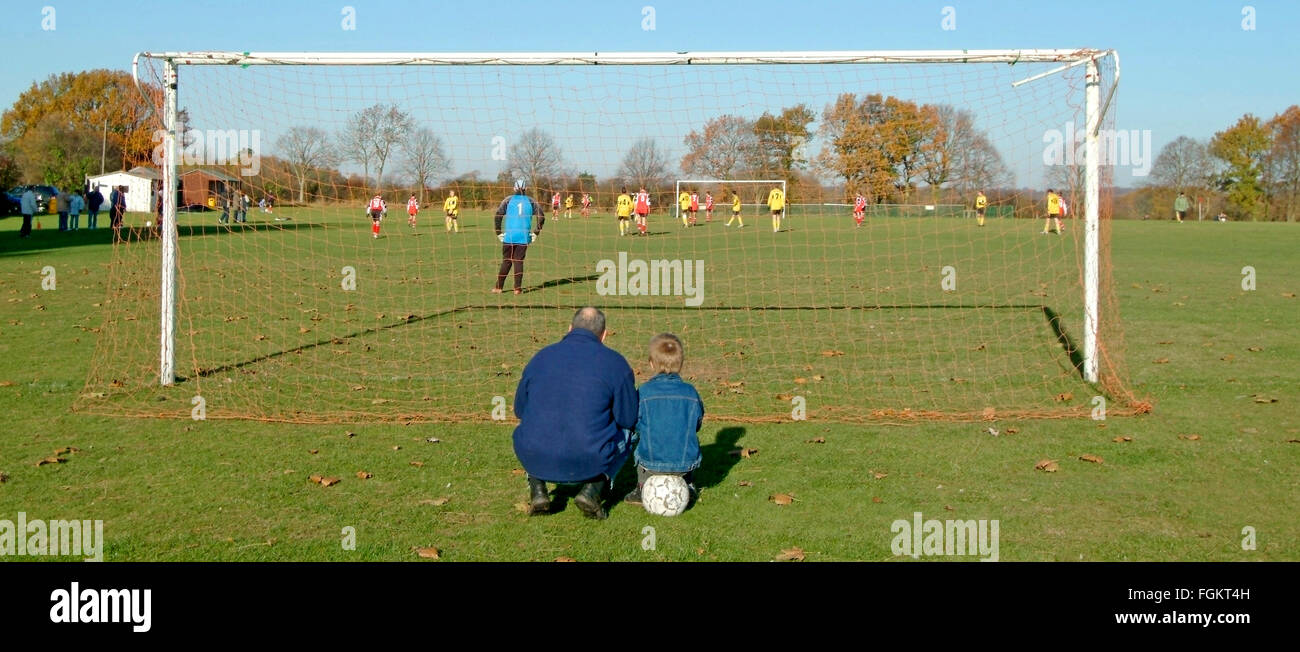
(516, 211)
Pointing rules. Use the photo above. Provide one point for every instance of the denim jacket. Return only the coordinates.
(669, 416)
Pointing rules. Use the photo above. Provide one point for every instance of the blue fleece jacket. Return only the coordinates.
(575, 401)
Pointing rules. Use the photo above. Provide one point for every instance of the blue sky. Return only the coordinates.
(1189, 68)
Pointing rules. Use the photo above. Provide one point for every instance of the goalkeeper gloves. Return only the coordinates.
(532, 237)
(501, 237)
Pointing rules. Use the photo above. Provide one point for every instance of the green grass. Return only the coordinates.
(177, 489)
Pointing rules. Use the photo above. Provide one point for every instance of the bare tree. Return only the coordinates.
(425, 158)
(1182, 164)
(371, 137)
(721, 149)
(644, 164)
(305, 149)
(535, 157)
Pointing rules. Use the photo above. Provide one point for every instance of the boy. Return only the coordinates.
(669, 418)
(683, 206)
(776, 202)
(586, 205)
(708, 207)
(859, 209)
(735, 209)
(642, 210)
(451, 206)
(623, 209)
(412, 209)
(568, 207)
(375, 209)
(695, 206)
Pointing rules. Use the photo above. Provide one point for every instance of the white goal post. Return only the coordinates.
(1095, 108)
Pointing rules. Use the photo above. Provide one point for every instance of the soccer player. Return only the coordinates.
(568, 207)
(776, 202)
(412, 209)
(735, 209)
(708, 206)
(695, 205)
(642, 204)
(451, 206)
(517, 211)
(981, 203)
(375, 209)
(1181, 205)
(859, 209)
(623, 209)
(1053, 212)
(683, 206)
(586, 205)
(555, 204)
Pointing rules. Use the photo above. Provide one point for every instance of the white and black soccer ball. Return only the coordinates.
(665, 495)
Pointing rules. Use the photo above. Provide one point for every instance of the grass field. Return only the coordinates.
(1205, 351)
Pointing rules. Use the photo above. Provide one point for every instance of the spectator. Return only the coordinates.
(93, 201)
(117, 210)
(61, 205)
(28, 206)
(74, 211)
(576, 403)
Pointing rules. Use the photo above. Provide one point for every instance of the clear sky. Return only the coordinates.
(1189, 67)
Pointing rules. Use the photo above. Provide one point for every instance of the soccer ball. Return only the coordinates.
(665, 495)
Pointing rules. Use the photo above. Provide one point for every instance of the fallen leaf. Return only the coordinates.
(314, 451)
(876, 499)
(365, 475)
(878, 475)
(1048, 466)
(1165, 342)
(351, 435)
(744, 452)
(784, 397)
(314, 479)
(988, 414)
(1190, 437)
(1255, 349)
(979, 348)
(1264, 399)
(328, 482)
(429, 553)
(949, 508)
(565, 559)
(992, 431)
(817, 440)
(1289, 441)
(832, 353)
(358, 388)
(1121, 439)
(439, 502)
(379, 401)
(417, 464)
(1289, 295)
(259, 338)
(4, 477)
(6, 383)
(793, 554)
(819, 378)
(516, 471)
(1012, 431)
(523, 507)
(94, 395)
(746, 483)
(1161, 361)
(781, 499)
(433, 440)
(66, 449)
(800, 381)
(397, 448)
(1065, 396)
(1091, 458)
(51, 460)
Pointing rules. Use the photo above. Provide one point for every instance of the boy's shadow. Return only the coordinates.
(718, 459)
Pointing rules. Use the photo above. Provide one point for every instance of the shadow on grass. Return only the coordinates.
(1067, 342)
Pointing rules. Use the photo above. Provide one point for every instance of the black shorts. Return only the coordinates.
(375, 215)
(980, 212)
(514, 251)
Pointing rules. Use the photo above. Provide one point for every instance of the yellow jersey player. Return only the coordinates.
(683, 205)
(1053, 212)
(776, 202)
(981, 204)
(451, 206)
(623, 209)
(568, 207)
(735, 209)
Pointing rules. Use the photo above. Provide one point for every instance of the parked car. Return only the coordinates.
(43, 195)
(10, 204)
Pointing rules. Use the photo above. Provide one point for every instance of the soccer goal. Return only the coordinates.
(751, 192)
(281, 298)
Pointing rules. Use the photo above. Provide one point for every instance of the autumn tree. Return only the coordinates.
(58, 128)
(1242, 149)
(305, 149)
(372, 136)
(881, 144)
(960, 154)
(1182, 164)
(780, 140)
(722, 149)
(1282, 163)
(425, 158)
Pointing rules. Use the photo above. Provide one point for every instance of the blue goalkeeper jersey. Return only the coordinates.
(518, 219)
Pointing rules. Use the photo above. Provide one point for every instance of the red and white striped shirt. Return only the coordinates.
(860, 203)
(643, 202)
(708, 202)
(412, 206)
(376, 203)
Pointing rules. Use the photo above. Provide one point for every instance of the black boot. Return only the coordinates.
(540, 500)
(589, 498)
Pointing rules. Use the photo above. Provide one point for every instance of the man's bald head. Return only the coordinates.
(591, 319)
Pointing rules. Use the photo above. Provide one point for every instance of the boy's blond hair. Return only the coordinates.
(666, 354)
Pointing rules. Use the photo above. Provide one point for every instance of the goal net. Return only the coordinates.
(269, 293)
